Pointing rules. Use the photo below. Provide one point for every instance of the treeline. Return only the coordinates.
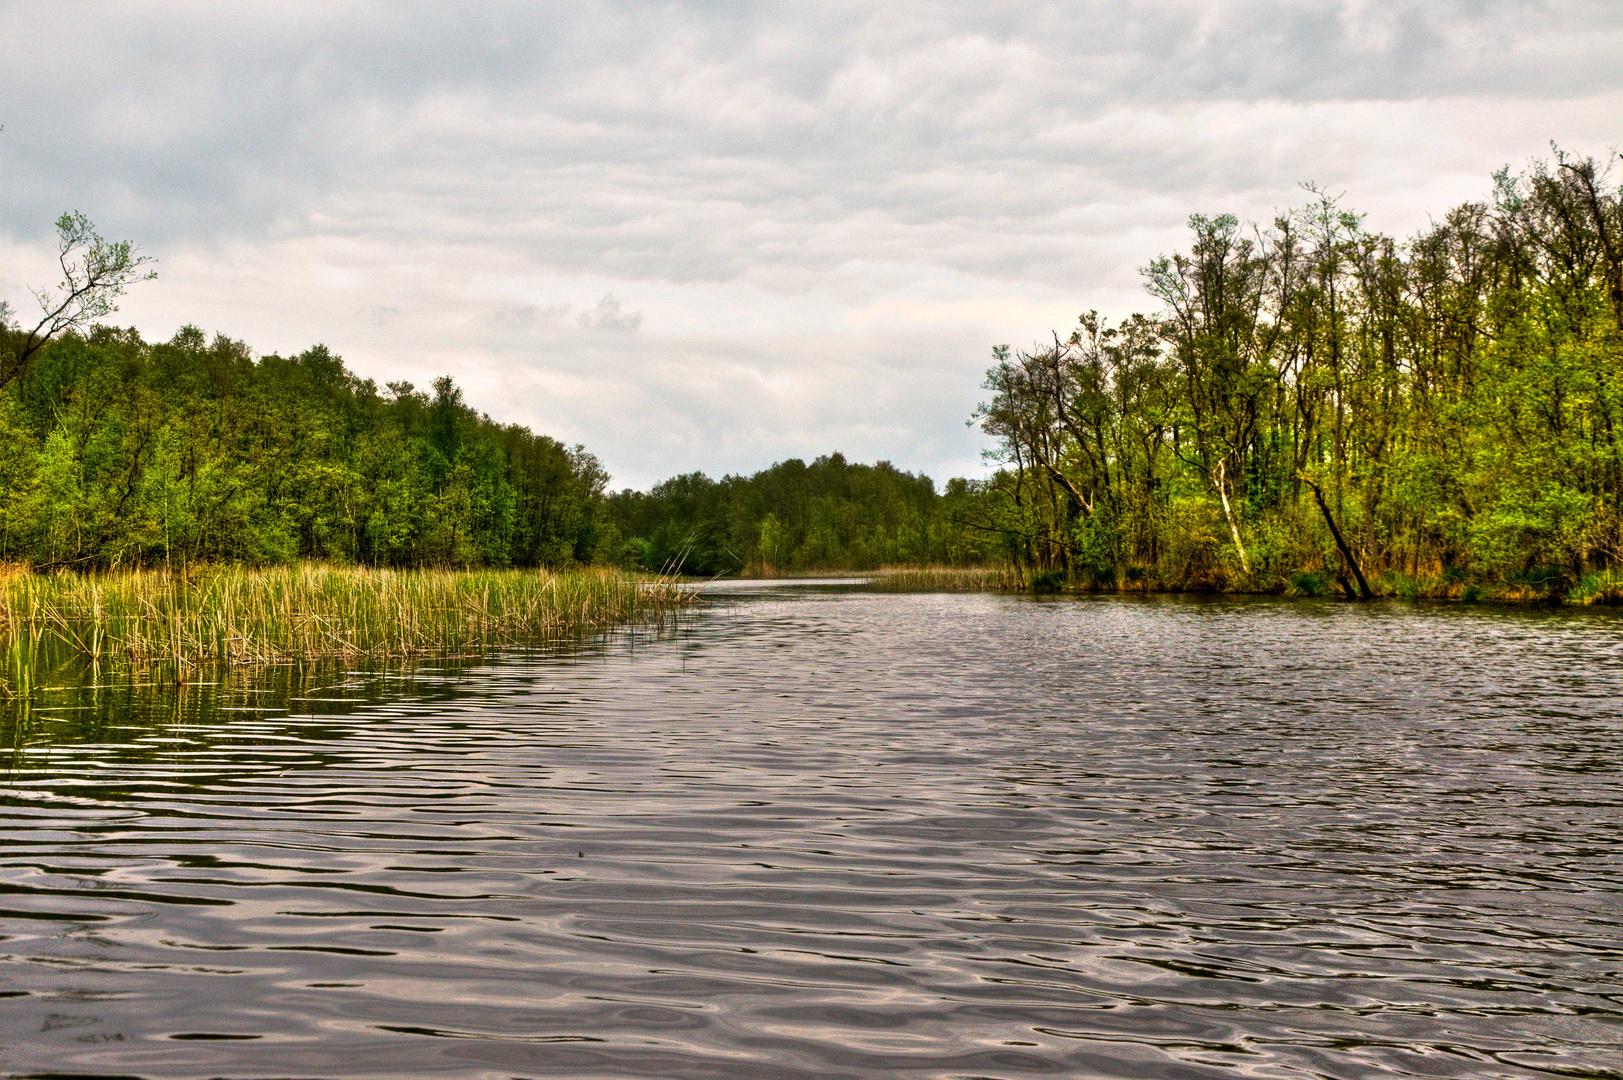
(795, 517)
(119, 452)
(1315, 403)
(116, 451)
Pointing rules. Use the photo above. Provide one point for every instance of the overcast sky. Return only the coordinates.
(716, 235)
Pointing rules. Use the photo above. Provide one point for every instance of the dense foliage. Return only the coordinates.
(116, 451)
(830, 514)
(1314, 402)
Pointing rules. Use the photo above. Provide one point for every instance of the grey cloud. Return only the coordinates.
(186, 117)
(471, 168)
(528, 316)
(609, 316)
(885, 397)
(379, 314)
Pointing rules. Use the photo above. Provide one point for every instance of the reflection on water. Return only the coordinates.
(825, 833)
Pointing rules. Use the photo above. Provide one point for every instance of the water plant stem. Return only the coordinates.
(237, 615)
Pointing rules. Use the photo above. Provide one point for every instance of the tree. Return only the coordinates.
(1215, 329)
(95, 273)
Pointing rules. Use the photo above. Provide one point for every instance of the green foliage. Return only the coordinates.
(1049, 581)
(1315, 403)
(1597, 587)
(119, 452)
(1308, 583)
(797, 518)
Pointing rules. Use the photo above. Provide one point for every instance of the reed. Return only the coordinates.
(232, 615)
(949, 579)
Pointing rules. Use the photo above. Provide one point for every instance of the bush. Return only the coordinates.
(1597, 587)
(1099, 575)
(1049, 581)
(1309, 583)
(1544, 579)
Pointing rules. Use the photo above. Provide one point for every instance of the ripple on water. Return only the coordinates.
(825, 833)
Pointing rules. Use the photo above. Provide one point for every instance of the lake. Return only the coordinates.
(816, 831)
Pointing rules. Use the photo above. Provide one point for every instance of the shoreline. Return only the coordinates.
(1596, 588)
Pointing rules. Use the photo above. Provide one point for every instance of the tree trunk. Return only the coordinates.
(1234, 526)
(1364, 591)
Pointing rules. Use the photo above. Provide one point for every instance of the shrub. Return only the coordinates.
(1597, 587)
(1049, 581)
(1309, 583)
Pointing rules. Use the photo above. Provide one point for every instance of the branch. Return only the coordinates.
(95, 273)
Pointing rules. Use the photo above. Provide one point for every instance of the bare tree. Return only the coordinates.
(95, 273)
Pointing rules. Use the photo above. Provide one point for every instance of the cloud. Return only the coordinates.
(523, 317)
(826, 213)
(608, 316)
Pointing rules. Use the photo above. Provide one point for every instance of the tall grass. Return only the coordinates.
(230, 615)
(949, 579)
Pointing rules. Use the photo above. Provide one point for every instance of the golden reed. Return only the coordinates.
(316, 612)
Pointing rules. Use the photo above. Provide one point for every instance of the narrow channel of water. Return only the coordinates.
(824, 833)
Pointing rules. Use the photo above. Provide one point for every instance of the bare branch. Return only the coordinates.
(95, 273)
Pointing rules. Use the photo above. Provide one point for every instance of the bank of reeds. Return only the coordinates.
(230, 615)
(949, 579)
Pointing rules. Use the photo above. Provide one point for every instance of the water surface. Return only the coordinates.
(820, 832)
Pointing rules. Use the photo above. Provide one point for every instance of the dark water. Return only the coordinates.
(826, 833)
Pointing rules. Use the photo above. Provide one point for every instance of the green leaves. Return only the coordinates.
(1456, 400)
(114, 451)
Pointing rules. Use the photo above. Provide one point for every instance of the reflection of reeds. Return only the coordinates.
(949, 579)
(276, 615)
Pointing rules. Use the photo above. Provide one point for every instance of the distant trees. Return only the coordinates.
(826, 515)
(1309, 406)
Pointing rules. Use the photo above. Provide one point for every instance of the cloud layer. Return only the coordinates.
(711, 236)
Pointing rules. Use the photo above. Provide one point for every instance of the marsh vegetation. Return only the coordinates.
(212, 616)
(1000, 578)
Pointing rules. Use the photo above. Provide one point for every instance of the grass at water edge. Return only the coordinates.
(241, 616)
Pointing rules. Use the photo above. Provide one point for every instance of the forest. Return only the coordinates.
(1308, 406)
(1313, 406)
(797, 518)
(119, 452)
